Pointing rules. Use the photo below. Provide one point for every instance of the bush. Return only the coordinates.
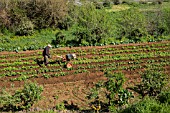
(164, 97)
(106, 3)
(46, 13)
(148, 105)
(114, 92)
(166, 20)
(152, 82)
(131, 25)
(25, 27)
(4, 19)
(41, 13)
(116, 2)
(21, 99)
(88, 29)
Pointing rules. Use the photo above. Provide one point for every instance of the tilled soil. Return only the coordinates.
(74, 88)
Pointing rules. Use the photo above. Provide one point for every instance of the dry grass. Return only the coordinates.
(116, 8)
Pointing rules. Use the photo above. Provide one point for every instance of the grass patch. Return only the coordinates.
(116, 8)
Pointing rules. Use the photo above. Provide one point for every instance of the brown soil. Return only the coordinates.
(73, 88)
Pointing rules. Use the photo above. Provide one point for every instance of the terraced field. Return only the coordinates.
(73, 84)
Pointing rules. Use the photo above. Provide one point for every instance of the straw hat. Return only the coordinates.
(49, 45)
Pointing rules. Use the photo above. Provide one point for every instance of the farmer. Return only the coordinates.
(46, 54)
(69, 57)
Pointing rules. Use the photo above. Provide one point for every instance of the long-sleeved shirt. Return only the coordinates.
(46, 51)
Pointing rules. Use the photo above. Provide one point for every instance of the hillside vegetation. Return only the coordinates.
(31, 24)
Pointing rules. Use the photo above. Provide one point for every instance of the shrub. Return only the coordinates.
(16, 17)
(148, 105)
(164, 97)
(21, 99)
(166, 20)
(60, 106)
(152, 82)
(116, 95)
(116, 2)
(4, 20)
(46, 13)
(25, 27)
(106, 3)
(131, 25)
(89, 29)
(41, 13)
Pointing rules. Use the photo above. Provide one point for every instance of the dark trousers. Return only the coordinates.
(46, 60)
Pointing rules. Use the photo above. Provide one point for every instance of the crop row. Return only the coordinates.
(23, 66)
(46, 73)
(24, 60)
(84, 60)
(128, 65)
(101, 52)
(113, 50)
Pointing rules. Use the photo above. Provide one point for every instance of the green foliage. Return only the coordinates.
(21, 99)
(115, 86)
(25, 27)
(157, 23)
(132, 25)
(60, 106)
(107, 3)
(85, 25)
(91, 25)
(46, 13)
(166, 18)
(123, 97)
(164, 97)
(116, 95)
(60, 38)
(152, 82)
(115, 82)
(40, 13)
(22, 43)
(96, 90)
(148, 105)
(116, 2)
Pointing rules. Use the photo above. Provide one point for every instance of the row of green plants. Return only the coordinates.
(103, 51)
(97, 59)
(123, 49)
(46, 73)
(82, 52)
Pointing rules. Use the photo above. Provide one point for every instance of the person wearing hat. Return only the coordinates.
(70, 56)
(46, 54)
